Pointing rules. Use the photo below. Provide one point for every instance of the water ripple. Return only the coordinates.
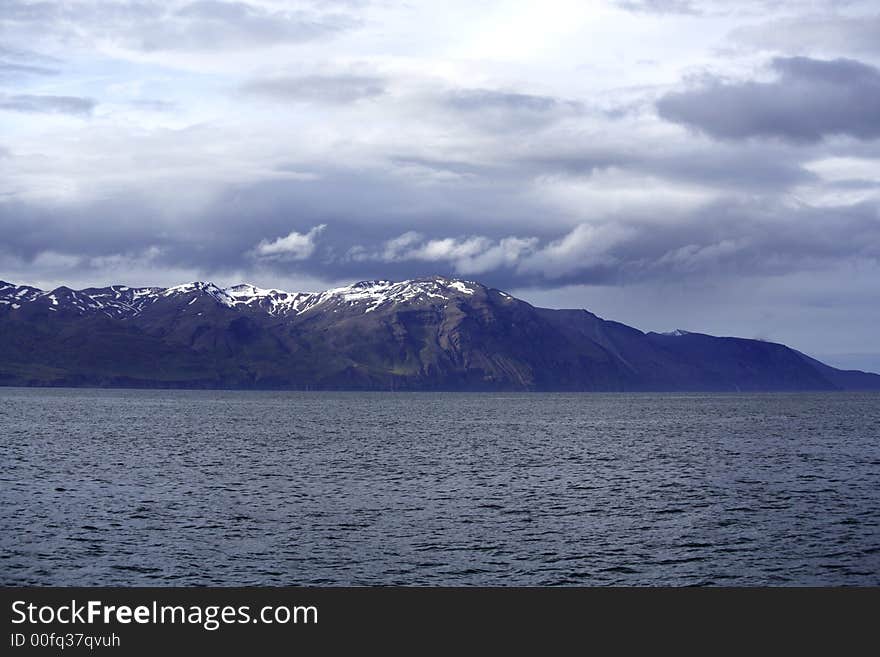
(103, 487)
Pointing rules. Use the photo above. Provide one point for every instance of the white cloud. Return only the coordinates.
(449, 249)
(505, 253)
(294, 246)
(837, 169)
(615, 191)
(394, 248)
(55, 260)
(584, 247)
(695, 256)
(474, 254)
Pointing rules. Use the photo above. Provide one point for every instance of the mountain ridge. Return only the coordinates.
(431, 333)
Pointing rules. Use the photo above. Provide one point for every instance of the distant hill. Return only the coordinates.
(425, 334)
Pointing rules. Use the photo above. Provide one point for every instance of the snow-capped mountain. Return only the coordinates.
(119, 301)
(433, 333)
(114, 301)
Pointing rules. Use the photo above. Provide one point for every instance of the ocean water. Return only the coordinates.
(128, 487)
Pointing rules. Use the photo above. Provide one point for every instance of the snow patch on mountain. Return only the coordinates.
(275, 302)
(120, 301)
(374, 294)
(218, 294)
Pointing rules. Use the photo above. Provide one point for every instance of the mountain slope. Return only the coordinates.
(423, 334)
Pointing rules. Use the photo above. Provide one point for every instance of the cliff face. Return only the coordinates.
(425, 334)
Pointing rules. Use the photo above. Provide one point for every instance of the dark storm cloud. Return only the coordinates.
(749, 167)
(47, 104)
(316, 88)
(809, 100)
(752, 169)
(85, 229)
(204, 25)
(727, 239)
(219, 235)
(382, 227)
(730, 237)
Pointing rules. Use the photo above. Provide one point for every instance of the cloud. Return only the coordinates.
(397, 247)
(47, 104)
(810, 99)
(748, 238)
(8, 69)
(206, 24)
(448, 249)
(658, 6)
(751, 167)
(715, 8)
(385, 227)
(586, 247)
(16, 63)
(507, 252)
(469, 255)
(499, 110)
(294, 246)
(153, 105)
(480, 100)
(726, 238)
(847, 169)
(695, 257)
(830, 33)
(202, 25)
(380, 231)
(332, 89)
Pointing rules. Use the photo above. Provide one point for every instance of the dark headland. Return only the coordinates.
(425, 334)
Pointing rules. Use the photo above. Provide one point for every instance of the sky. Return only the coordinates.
(709, 165)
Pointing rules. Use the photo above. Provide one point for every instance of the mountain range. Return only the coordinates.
(432, 333)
